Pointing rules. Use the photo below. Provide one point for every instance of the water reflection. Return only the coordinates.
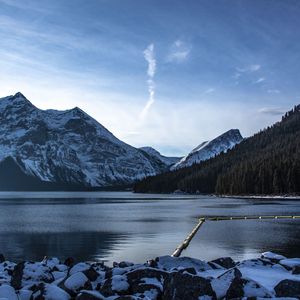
(125, 226)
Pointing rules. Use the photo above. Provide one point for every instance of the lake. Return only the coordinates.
(116, 226)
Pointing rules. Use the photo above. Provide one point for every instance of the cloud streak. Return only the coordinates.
(272, 111)
(149, 56)
(179, 52)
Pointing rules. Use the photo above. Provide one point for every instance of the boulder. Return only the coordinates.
(49, 292)
(8, 292)
(17, 275)
(178, 286)
(75, 283)
(225, 262)
(117, 284)
(288, 288)
(91, 274)
(241, 287)
(2, 258)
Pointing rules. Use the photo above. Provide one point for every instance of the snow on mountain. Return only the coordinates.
(164, 159)
(68, 146)
(210, 149)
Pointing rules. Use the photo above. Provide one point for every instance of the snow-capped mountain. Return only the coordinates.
(210, 149)
(164, 159)
(67, 147)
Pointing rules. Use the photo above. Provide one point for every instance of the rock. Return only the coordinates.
(49, 292)
(35, 273)
(7, 292)
(80, 267)
(117, 284)
(70, 261)
(91, 274)
(2, 258)
(179, 286)
(125, 264)
(225, 262)
(17, 274)
(296, 270)
(138, 274)
(288, 288)
(75, 283)
(272, 256)
(241, 287)
(188, 270)
(89, 295)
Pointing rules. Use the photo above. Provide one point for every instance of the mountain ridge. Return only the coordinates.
(68, 146)
(208, 149)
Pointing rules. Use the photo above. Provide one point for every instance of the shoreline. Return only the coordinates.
(268, 276)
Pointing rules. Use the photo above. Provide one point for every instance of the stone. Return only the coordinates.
(70, 261)
(8, 292)
(2, 258)
(17, 274)
(225, 262)
(91, 274)
(179, 286)
(288, 288)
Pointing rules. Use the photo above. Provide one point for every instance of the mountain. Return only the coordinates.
(210, 149)
(266, 163)
(65, 148)
(168, 161)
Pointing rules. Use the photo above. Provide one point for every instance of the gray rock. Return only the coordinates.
(225, 262)
(288, 288)
(179, 286)
(17, 274)
(2, 258)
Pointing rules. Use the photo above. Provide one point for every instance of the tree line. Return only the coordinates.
(266, 163)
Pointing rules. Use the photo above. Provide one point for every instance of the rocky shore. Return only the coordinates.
(269, 276)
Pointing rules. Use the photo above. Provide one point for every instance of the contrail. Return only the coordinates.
(150, 58)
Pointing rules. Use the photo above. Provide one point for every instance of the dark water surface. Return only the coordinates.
(124, 226)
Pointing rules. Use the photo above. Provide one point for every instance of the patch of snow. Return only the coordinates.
(119, 283)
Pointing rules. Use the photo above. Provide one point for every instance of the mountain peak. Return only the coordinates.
(208, 149)
(18, 95)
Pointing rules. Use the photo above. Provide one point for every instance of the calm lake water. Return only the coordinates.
(115, 226)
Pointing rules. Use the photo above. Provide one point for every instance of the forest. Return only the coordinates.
(267, 163)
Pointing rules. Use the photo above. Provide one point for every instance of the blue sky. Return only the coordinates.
(167, 74)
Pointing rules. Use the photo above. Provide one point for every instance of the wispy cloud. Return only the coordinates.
(179, 52)
(209, 91)
(272, 110)
(259, 80)
(273, 91)
(250, 68)
(149, 56)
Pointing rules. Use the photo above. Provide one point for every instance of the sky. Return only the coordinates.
(163, 73)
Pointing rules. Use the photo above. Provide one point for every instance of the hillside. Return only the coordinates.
(266, 163)
(48, 149)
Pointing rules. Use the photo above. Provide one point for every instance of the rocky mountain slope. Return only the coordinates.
(169, 161)
(66, 147)
(209, 149)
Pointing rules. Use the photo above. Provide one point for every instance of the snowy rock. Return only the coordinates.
(272, 256)
(288, 288)
(7, 292)
(169, 263)
(50, 292)
(179, 286)
(225, 262)
(76, 282)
